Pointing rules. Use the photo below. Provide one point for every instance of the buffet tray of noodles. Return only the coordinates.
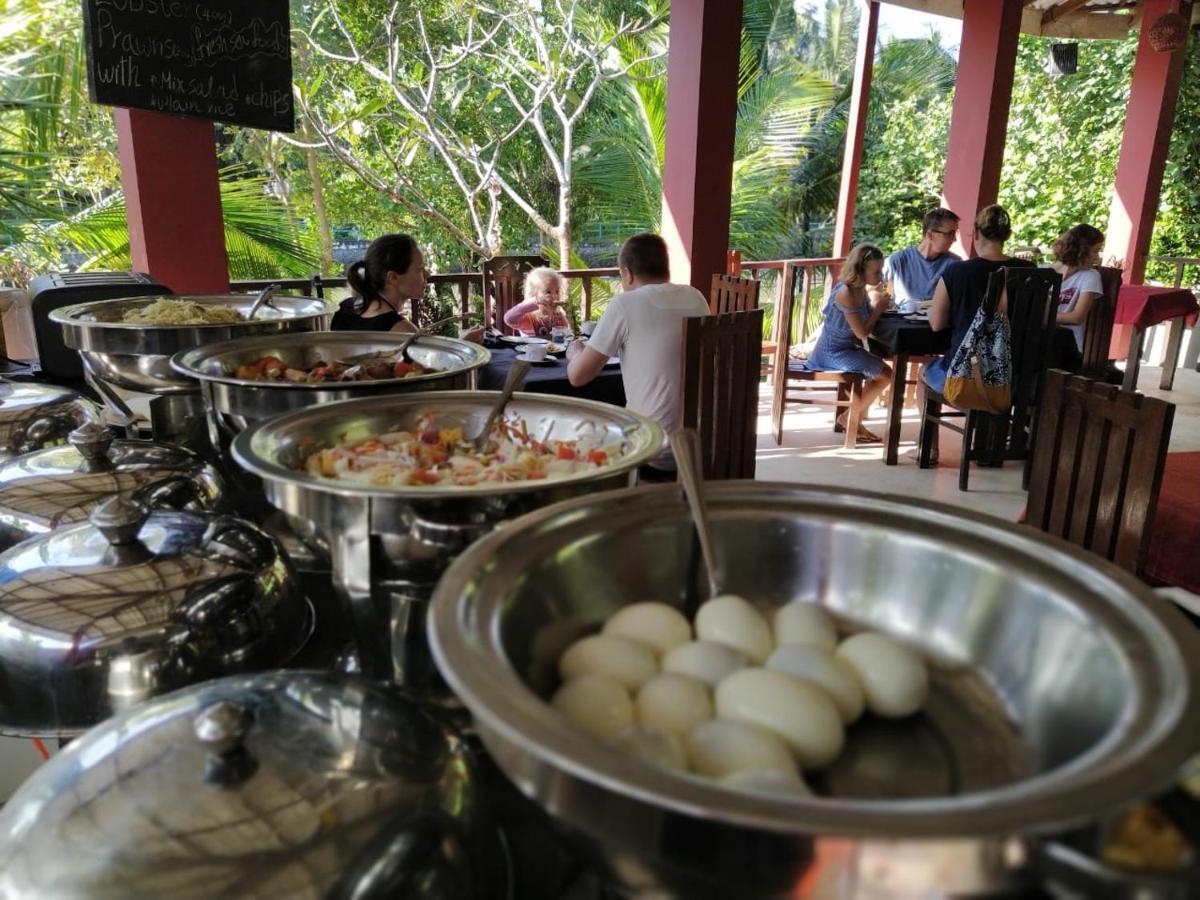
(128, 341)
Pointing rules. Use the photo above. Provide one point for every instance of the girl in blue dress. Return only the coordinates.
(850, 317)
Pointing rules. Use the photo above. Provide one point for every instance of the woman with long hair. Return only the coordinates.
(391, 274)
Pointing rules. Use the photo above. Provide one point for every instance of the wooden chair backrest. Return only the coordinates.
(732, 293)
(1032, 303)
(1097, 330)
(503, 286)
(1098, 466)
(719, 394)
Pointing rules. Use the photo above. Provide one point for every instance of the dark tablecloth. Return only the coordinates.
(1174, 556)
(607, 387)
(896, 334)
(1144, 305)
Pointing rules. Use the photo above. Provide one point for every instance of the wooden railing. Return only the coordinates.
(806, 317)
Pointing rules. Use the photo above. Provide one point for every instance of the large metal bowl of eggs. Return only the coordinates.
(891, 698)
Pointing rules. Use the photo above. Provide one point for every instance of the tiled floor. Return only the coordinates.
(812, 453)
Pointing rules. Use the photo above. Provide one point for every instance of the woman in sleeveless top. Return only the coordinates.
(391, 274)
(849, 318)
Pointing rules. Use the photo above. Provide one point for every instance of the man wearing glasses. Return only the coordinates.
(911, 274)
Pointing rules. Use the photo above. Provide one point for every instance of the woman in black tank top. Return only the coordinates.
(392, 272)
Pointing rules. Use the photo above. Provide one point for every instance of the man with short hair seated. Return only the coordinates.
(911, 274)
(643, 325)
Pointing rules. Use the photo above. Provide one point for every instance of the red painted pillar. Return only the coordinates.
(1148, 123)
(856, 129)
(987, 59)
(173, 199)
(702, 77)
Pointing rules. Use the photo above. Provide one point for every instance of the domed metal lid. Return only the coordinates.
(283, 784)
(33, 416)
(97, 616)
(46, 489)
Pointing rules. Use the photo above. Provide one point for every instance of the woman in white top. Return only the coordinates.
(1078, 253)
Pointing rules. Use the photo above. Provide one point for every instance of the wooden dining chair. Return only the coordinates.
(1097, 330)
(503, 287)
(1098, 466)
(719, 393)
(732, 293)
(993, 439)
(790, 382)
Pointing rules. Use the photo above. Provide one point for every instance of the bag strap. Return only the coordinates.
(984, 397)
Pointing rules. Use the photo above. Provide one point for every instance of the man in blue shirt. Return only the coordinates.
(912, 273)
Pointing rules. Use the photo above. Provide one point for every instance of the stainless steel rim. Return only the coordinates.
(250, 446)
(190, 362)
(70, 316)
(463, 631)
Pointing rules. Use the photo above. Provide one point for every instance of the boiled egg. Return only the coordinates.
(893, 677)
(801, 715)
(628, 662)
(593, 703)
(767, 781)
(729, 619)
(805, 623)
(720, 747)
(674, 703)
(824, 670)
(653, 745)
(706, 661)
(656, 624)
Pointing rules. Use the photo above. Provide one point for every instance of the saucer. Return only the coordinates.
(547, 361)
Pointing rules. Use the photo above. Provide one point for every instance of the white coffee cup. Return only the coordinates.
(588, 327)
(534, 352)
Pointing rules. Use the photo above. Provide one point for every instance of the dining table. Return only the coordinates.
(550, 377)
(899, 337)
(1140, 307)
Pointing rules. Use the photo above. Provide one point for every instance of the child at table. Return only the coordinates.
(1077, 253)
(850, 316)
(541, 311)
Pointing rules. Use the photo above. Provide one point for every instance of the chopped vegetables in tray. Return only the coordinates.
(432, 455)
(272, 368)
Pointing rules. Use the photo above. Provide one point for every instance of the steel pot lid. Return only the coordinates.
(281, 784)
(58, 486)
(33, 416)
(97, 616)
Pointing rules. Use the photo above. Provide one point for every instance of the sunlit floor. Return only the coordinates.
(812, 453)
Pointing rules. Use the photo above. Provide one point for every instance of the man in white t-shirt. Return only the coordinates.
(644, 326)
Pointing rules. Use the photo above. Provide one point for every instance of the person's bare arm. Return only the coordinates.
(939, 310)
(881, 290)
(853, 307)
(583, 363)
(405, 326)
(1079, 314)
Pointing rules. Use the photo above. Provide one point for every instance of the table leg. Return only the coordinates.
(1171, 360)
(1133, 361)
(891, 449)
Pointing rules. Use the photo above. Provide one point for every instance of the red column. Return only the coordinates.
(856, 129)
(173, 198)
(702, 76)
(987, 59)
(1148, 122)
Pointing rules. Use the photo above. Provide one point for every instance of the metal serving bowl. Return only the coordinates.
(138, 357)
(235, 403)
(33, 416)
(1061, 687)
(389, 546)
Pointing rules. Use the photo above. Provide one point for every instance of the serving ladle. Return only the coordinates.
(685, 445)
(516, 378)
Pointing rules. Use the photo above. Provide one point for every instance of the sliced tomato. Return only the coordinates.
(400, 369)
(566, 451)
(599, 457)
(424, 476)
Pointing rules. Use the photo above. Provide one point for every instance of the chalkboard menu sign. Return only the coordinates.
(224, 60)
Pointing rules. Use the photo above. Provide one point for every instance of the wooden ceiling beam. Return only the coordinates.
(1055, 13)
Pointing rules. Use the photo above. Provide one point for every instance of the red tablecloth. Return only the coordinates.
(1174, 557)
(1144, 305)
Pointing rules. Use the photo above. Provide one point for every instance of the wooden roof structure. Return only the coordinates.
(1083, 19)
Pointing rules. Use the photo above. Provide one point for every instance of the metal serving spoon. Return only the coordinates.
(685, 444)
(516, 378)
(263, 299)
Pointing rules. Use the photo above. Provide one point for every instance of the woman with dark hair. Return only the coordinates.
(1078, 253)
(392, 272)
(960, 291)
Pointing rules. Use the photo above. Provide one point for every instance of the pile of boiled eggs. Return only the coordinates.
(747, 702)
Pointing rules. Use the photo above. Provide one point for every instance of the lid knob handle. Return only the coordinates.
(92, 440)
(222, 729)
(119, 519)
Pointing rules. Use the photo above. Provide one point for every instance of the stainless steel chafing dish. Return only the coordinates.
(138, 357)
(59, 486)
(97, 616)
(284, 784)
(1061, 688)
(33, 416)
(389, 546)
(234, 403)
